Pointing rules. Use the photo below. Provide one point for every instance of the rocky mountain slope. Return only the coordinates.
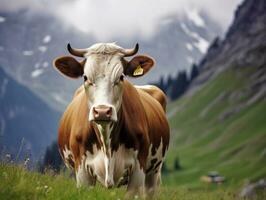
(219, 124)
(27, 124)
(244, 44)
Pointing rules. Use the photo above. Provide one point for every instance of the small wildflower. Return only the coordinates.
(26, 161)
(8, 156)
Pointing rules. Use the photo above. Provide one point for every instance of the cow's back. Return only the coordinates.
(155, 92)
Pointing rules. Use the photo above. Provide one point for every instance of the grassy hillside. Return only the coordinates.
(17, 183)
(220, 128)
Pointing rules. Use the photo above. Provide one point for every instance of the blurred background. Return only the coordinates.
(210, 61)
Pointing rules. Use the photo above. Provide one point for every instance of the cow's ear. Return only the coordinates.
(69, 66)
(138, 66)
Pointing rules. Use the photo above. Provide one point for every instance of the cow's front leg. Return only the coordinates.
(152, 181)
(84, 176)
(136, 184)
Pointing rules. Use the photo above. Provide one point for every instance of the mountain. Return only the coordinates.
(30, 41)
(220, 124)
(27, 124)
(243, 45)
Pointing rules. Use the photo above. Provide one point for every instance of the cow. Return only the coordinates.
(112, 131)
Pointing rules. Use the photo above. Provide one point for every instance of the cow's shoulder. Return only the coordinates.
(155, 92)
(74, 126)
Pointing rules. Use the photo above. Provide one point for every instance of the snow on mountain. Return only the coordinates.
(189, 46)
(201, 43)
(47, 39)
(45, 64)
(42, 48)
(36, 73)
(2, 19)
(194, 16)
(27, 53)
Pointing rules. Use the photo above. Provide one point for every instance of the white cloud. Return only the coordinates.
(107, 19)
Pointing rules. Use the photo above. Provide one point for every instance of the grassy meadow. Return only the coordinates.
(17, 183)
(219, 129)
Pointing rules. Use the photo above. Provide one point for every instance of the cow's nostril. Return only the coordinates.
(95, 112)
(109, 112)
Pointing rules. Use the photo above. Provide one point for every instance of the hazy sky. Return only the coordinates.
(107, 19)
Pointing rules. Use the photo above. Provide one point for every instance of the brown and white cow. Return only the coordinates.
(113, 132)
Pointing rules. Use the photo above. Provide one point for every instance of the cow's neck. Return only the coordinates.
(105, 134)
(104, 137)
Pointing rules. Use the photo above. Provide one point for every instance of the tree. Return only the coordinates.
(165, 169)
(194, 72)
(179, 86)
(52, 159)
(177, 165)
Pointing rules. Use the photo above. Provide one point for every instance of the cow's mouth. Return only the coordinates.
(103, 122)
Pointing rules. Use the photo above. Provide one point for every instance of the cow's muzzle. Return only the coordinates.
(102, 113)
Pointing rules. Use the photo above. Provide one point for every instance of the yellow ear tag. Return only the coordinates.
(138, 71)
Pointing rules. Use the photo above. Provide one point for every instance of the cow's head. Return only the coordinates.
(103, 69)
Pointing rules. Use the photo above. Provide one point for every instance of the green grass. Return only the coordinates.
(234, 146)
(17, 183)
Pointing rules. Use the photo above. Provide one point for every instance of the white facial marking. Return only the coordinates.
(103, 69)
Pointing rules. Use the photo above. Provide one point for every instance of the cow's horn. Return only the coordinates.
(76, 52)
(130, 52)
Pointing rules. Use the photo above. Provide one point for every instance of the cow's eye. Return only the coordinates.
(85, 78)
(121, 78)
(87, 82)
